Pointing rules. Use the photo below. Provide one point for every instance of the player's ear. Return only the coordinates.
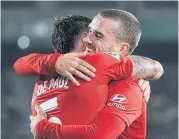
(124, 48)
(83, 35)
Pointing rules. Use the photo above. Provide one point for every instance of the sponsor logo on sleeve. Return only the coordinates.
(119, 101)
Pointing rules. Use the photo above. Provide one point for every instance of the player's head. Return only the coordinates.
(114, 30)
(67, 33)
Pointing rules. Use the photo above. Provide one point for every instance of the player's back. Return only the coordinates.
(59, 98)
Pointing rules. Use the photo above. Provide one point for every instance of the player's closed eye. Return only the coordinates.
(98, 35)
(89, 29)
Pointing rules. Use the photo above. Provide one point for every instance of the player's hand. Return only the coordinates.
(145, 86)
(71, 64)
(35, 119)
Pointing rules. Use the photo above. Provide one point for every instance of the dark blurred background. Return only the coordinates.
(26, 27)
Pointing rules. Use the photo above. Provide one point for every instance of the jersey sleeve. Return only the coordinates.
(36, 64)
(125, 100)
(105, 126)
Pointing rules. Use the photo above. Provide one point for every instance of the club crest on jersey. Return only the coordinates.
(115, 55)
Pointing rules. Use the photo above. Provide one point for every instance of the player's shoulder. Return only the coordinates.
(128, 86)
(131, 81)
(126, 91)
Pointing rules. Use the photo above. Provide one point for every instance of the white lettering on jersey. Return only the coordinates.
(52, 81)
(116, 105)
(56, 84)
(49, 104)
(59, 82)
(66, 84)
(42, 88)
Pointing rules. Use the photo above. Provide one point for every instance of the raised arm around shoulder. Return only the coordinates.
(36, 64)
(146, 68)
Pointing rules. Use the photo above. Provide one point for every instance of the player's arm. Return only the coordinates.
(105, 126)
(46, 64)
(146, 68)
(36, 64)
(121, 67)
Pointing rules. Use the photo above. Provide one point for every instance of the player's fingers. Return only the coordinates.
(88, 66)
(71, 78)
(141, 82)
(31, 125)
(31, 128)
(146, 91)
(145, 85)
(31, 117)
(147, 94)
(32, 131)
(40, 111)
(147, 97)
(81, 75)
(85, 70)
(37, 109)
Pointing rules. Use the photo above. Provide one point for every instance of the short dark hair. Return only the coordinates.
(129, 29)
(67, 31)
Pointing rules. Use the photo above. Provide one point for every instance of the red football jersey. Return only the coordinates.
(125, 107)
(43, 64)
(60, 99)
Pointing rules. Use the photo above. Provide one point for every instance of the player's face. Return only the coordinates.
(102, 35)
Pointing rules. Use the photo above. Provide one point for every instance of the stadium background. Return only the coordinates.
(159, 21)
